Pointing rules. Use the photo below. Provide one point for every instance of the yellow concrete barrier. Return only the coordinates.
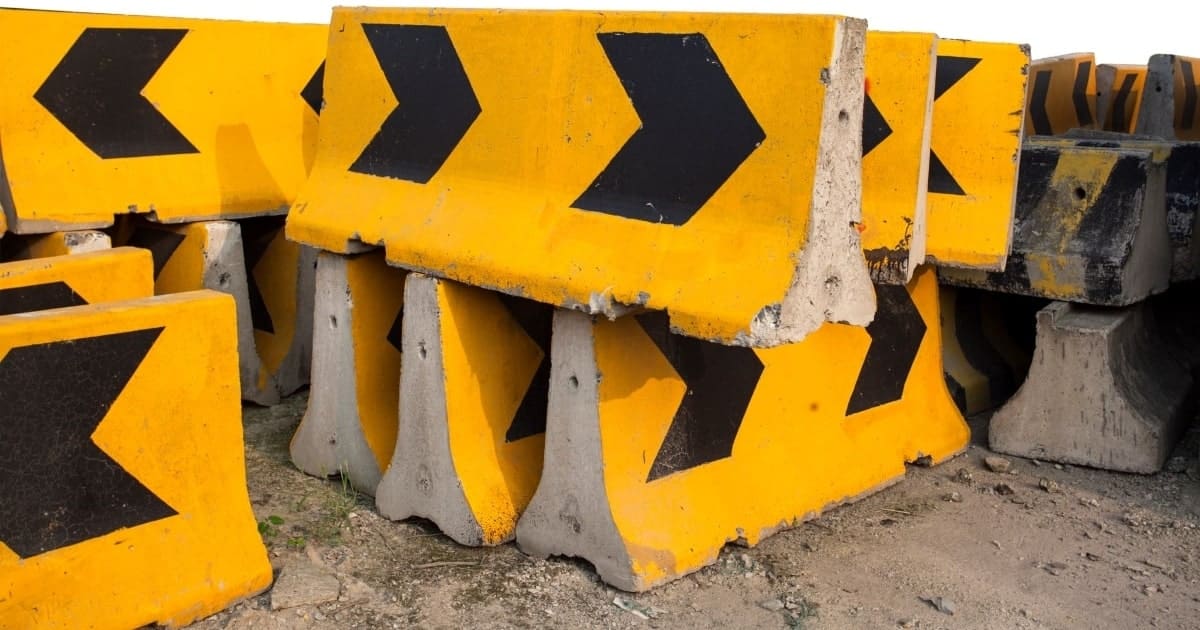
(45, 283)
(18, 247)
(897, 113)
(978, 115)
(1061, 95)
(351, 422)
(181, 119)
(122, 438)
(472, 410)
(661, 448)
(706, 164)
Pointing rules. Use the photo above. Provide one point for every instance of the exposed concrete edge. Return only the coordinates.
(918, 247)
(1103, 391)
(1156, 114)
(1151, 254)
(321, 444)
(569, 514)
(225, 271)
(831, 281)
(422, 479)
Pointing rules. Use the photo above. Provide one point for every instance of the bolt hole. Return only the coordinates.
(844, 116)
(1080, 193)
(573, 382)
(223, 279)
(333, 321)
(421, 349)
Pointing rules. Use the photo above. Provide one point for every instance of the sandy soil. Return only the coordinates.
(1041, 546)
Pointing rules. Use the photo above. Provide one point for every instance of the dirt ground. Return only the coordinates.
(953, 546)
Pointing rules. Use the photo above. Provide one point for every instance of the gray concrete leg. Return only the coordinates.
(1103, 391)
(224, 270)
(569, 514)
(422, 479)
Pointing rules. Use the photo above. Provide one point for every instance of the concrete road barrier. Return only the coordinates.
(75, 280)
(180, 119)
(705, 164)
(661, 448)
(121, 436)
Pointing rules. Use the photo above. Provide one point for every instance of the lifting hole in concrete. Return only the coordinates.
(333, 321)
(573, 382)
(1080, 193)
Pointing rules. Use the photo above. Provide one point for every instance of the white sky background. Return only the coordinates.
(1117, 34)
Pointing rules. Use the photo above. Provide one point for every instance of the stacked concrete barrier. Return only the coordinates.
(635, 287)
(1105, 224)
(121, 430)
(189, 123)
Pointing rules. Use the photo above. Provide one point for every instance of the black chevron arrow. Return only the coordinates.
(1079, 94)
(161, 243)
(720, 382)
(1188, 116)
(1118, 105)
(257, 236)
(536, 320)
(60, 488)
(436, 102)
(38, 297)
(896, 335)
(95, 91)
(875, 127)
(950, 70)
(696, 130)
(314, 91)
(395, 333)
(1037, 104)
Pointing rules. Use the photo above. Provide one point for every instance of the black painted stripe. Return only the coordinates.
(38, 297)
(95, 91)
(720, 382)
(61, 488)
(536, 320)
(257, 235)
(875, 127)
(1079, 94)
(696, 129)
(1117, 121)
(1037, 104)
(896, 335)
(314, 91)
(951, 70)
(940, 180)
(436, 103)
(161, 243)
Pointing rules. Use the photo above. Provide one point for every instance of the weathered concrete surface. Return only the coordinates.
(1168, 107)
(660, 448)
(473, 410)
(1090, 227)
(1104, 390)
(19, 247)
(351, 422)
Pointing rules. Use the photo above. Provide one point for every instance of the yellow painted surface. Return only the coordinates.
(1126, 119)
(795, 455)
(498, 212)
(977, 126)
(176, 427)
(276, 274)
(377, 291)
(489, 363)
(59, 243)
(117, 274)
(184, 270)
(900, 71)
(1187, 111)
(1059, 102)
(232, 89)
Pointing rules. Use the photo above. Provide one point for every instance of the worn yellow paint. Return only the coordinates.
(1124, 119)
(489, 363)
(56, 244)
(113, 275)
(498, 214)
(795, 455)
(377, 291)
(231, 88)
(177, 428)
(277, 274)
(900, 71)
(1060, 94)
(977, 126)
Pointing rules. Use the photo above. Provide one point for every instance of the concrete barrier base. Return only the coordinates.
(1104, 390)
(351, 422)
